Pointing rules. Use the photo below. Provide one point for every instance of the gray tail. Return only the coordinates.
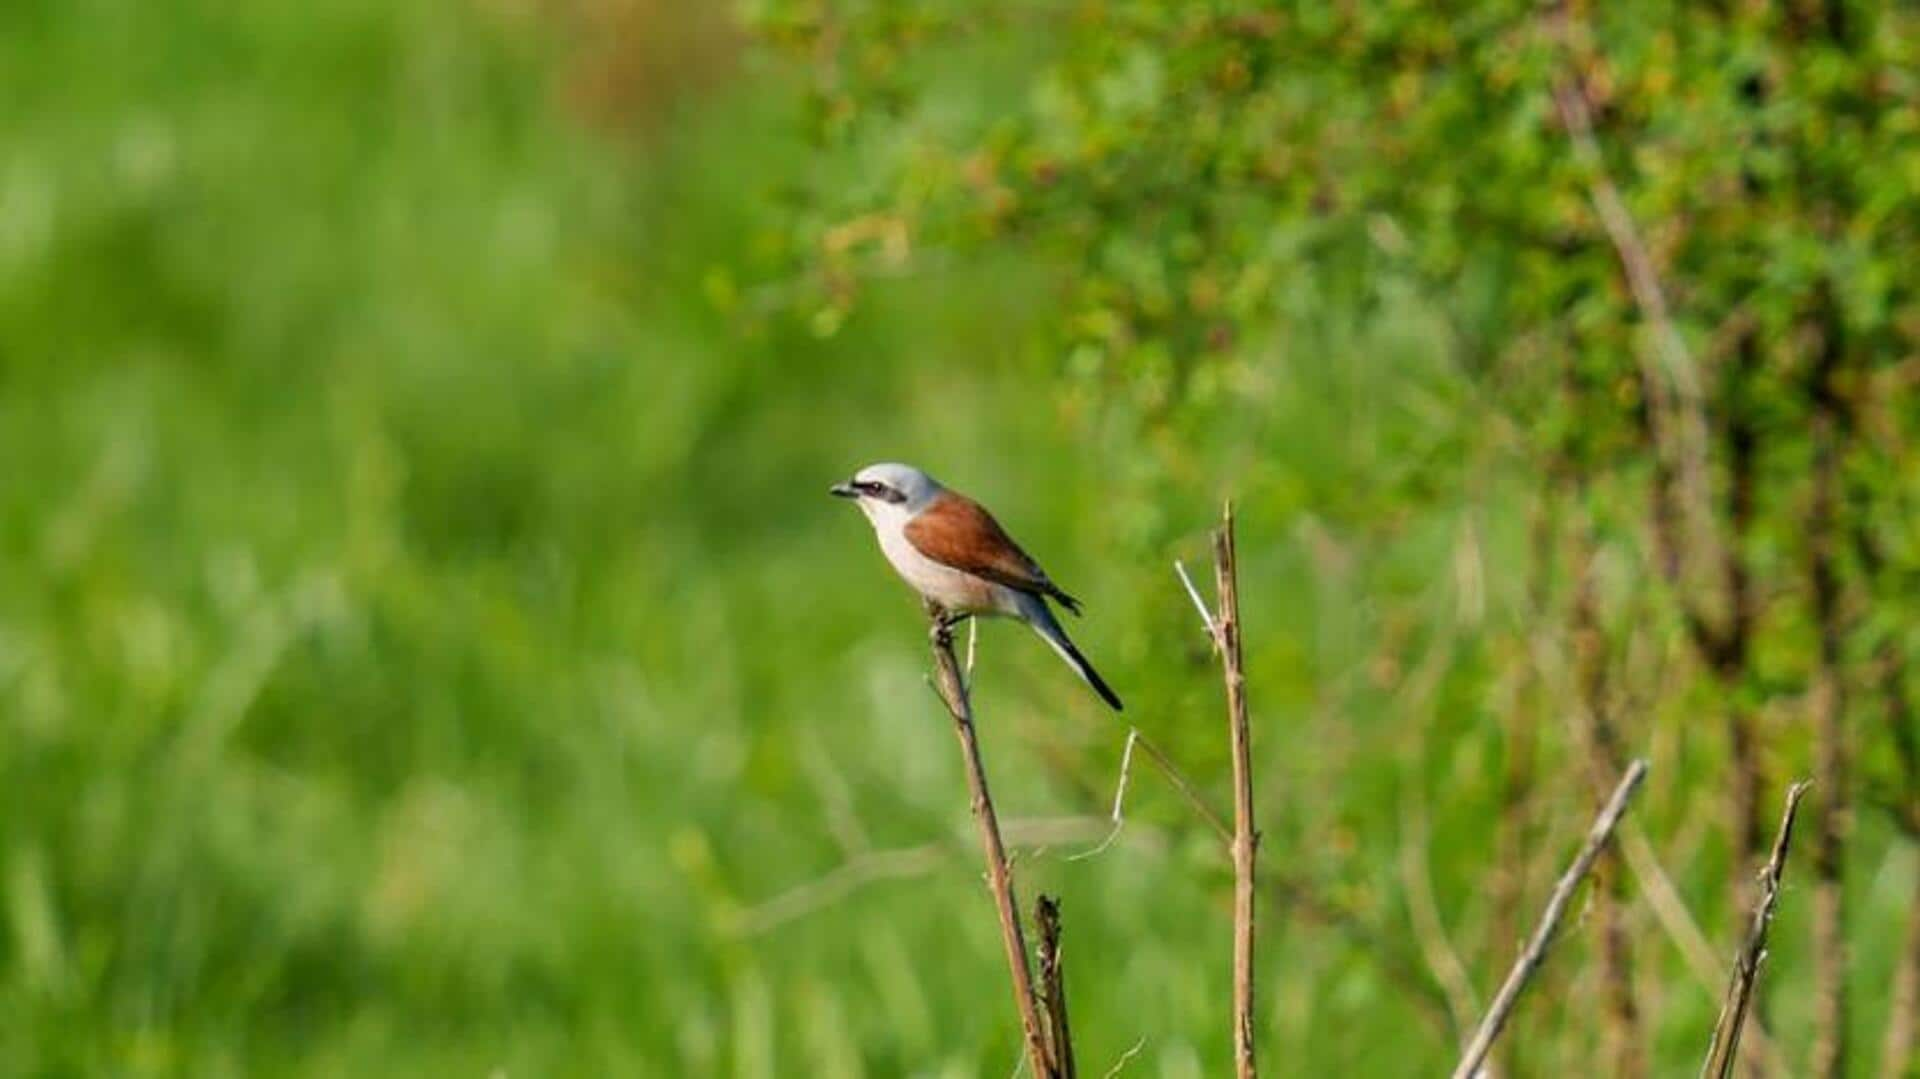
(1048, 628)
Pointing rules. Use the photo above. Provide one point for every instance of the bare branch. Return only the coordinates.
(1053, 986)
(1535, 952)
(953, 691)
(1246, 839)
(1725, 1047)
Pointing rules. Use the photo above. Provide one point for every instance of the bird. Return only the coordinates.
(951, 551)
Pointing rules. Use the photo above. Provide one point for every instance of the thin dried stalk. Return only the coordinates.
(953, 691)
(1725, 1047)
(1535, 952)
(1246, 839)
(1185, 786)
(1053, 986)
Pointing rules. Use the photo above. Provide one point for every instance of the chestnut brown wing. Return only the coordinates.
(956, 531)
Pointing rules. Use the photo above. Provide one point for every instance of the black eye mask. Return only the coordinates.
(880, 491)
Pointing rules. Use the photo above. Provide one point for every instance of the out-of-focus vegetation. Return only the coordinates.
(426, 647)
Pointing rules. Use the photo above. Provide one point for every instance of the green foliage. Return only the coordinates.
(425, 645)
(1229, 190)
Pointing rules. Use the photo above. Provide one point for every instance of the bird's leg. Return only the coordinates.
(950, 621)
(944, 622)
(938, 631)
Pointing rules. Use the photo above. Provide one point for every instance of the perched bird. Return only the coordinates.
(952, 552)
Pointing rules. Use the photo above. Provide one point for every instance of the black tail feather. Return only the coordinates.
(1049, 630)
(1098, 683)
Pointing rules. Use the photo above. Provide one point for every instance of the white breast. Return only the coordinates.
(953, 589)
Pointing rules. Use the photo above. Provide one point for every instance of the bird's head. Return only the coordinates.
(889, 490)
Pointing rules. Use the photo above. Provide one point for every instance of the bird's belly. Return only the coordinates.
(957, 591)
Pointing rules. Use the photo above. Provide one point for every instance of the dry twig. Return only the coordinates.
(1053, 986)
(1223, 629)
(953, 691)
(1246, 838)
(1174, 776)
(1725, 1047)
(1535, 952)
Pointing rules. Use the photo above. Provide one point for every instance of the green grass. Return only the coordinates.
(424, 636)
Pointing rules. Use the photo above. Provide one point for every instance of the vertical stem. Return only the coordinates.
(1053, 985)
(1246, 839)
(953, 690)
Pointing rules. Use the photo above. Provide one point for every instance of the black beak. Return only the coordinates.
(843, 490)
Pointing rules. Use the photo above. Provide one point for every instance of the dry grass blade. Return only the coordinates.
(1725, 1047)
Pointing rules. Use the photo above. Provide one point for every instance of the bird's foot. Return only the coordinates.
(944, 623)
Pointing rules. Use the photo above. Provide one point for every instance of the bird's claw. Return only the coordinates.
(943, 626)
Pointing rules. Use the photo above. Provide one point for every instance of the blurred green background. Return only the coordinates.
(426, 647)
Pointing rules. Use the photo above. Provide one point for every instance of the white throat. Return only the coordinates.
(887, 518)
